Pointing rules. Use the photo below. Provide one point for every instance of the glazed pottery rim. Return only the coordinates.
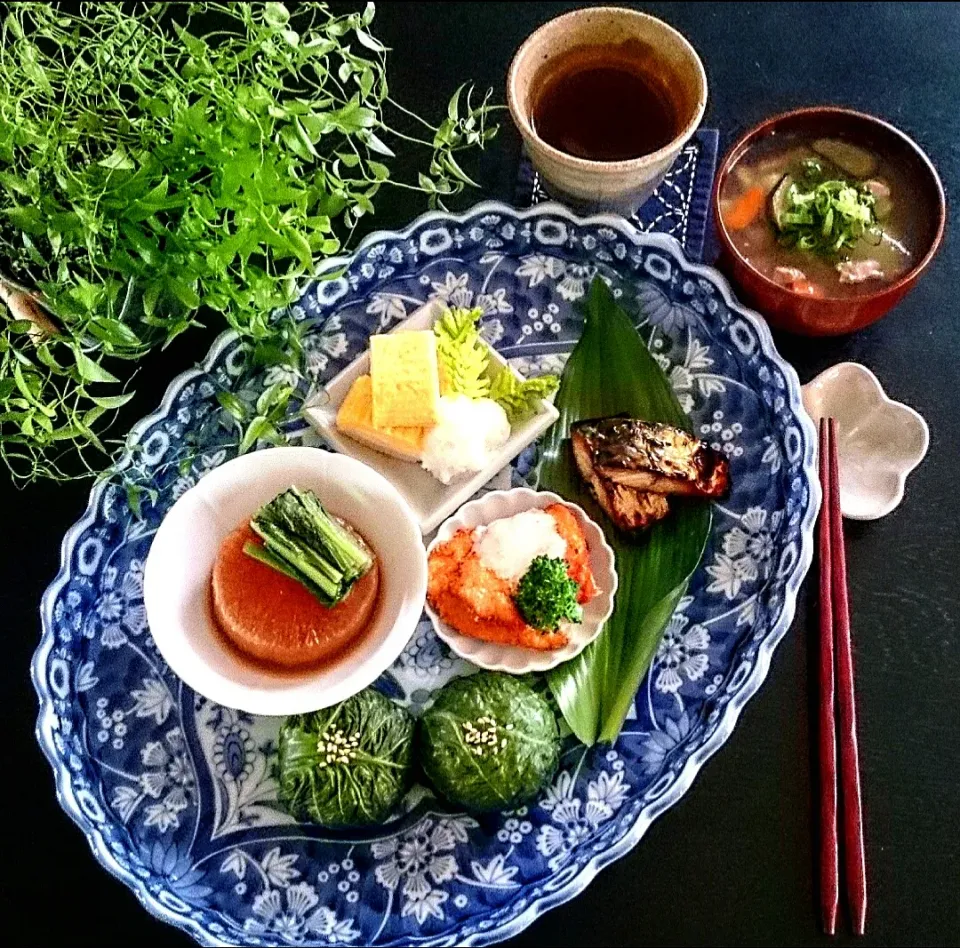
(755, 132)
(525, 126)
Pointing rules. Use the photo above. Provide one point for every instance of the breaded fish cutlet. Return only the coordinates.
(477, 602)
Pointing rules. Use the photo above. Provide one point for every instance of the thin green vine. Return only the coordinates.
(164, 164)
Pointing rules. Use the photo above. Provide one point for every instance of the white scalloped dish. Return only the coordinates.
(879, 441)
(511, 658)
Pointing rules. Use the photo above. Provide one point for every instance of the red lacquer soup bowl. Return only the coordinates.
(828, 315)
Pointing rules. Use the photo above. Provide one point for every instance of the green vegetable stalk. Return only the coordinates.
(168, 165)
(302, 541)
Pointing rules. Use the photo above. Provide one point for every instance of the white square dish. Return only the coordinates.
(430, 501)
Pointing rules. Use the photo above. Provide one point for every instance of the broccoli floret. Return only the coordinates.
(547, 595)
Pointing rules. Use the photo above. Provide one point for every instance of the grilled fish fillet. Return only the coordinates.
(650, 457)
(628, 508)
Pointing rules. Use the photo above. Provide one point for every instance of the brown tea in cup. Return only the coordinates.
(604, 104)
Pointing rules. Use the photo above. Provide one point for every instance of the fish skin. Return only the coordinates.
(651, 457)
(631, 510)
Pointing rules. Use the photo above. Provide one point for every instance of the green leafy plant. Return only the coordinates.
(611, 371)
(824, 216)
(546, 595)
(168, 163)
(462, 353)
(520, 398)
(302, 541)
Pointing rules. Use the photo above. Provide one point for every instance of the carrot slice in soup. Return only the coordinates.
(745, 209)
(806, 288)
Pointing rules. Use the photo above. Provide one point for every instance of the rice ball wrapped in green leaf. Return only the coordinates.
(348, 765)
(489, 742)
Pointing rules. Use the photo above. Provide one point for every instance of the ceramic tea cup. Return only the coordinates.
(657, 51)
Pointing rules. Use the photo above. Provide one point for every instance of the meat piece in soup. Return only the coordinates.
(822, 217)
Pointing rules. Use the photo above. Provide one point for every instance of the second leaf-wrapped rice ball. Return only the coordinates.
(489, 742)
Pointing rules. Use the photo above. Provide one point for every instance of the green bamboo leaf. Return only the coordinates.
(611, 371)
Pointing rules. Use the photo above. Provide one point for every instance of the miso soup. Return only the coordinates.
(824, 217)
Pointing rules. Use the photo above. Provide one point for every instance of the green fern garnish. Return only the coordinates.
(520, 398)
(465, 358)
(462, 353)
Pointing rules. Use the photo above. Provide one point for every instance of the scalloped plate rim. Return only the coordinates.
(694, 762)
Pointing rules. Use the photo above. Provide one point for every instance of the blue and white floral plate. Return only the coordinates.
(176, 795)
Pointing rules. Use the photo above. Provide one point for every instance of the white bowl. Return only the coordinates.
(176, 585)
(513, 658)
(430, 500)
(879, 441)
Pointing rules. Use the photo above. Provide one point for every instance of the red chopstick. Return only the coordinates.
(854, 856)
(836, 686)
(829, 856)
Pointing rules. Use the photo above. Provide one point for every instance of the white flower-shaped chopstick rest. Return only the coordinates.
(879, 441)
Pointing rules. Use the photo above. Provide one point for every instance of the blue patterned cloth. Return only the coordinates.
(680, 207)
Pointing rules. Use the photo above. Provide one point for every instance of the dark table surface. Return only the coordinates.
(733, 862)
